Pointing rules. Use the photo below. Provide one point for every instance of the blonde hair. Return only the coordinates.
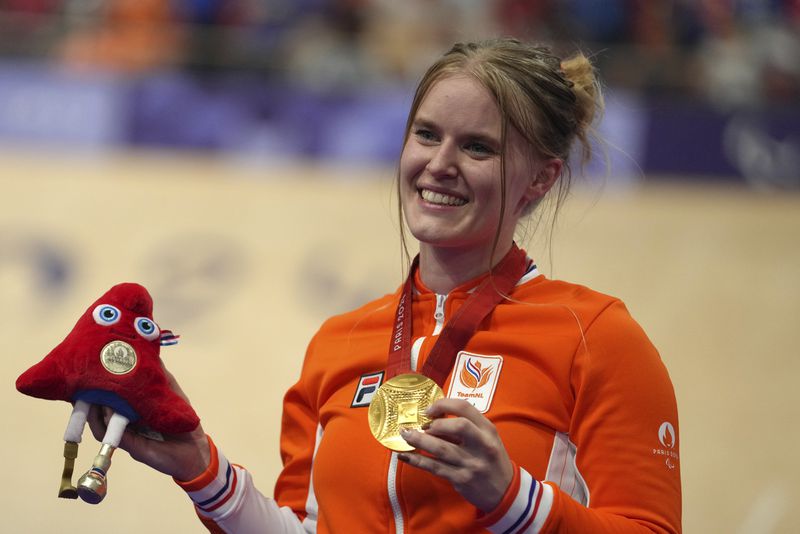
(551, 102)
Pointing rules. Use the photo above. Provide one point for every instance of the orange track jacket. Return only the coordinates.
(577, 392)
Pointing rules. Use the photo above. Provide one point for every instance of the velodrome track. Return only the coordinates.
(245, 261)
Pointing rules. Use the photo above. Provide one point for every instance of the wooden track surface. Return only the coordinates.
(245, 262)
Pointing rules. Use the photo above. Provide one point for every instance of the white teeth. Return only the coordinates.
(439, 198)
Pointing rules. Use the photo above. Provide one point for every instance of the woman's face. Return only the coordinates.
(450, 185)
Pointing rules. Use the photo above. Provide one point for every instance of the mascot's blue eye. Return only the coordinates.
(105, 314)
(146, 328)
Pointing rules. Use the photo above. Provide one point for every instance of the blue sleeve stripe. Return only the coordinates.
(525, 512)
(220, 492)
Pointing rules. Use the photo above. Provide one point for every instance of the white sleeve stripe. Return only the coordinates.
(529, 510)
(545, 504)
(523, 518)
(312, 508)
(208, 503)
(232, 499)
(521, 508)
(249, 511)
(218, 489)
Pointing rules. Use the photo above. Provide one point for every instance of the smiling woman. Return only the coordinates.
(500, 400)
(454, 200)
(490, 130)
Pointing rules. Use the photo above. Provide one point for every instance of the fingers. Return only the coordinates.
(457, 407)
(463, 447)
(444, 459)
(466, 426)
(457, 442)
(442, 450)
(480, 475)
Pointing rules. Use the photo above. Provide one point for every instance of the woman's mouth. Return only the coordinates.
(441, 199)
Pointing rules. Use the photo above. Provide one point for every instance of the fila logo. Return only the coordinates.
(368, 384)
(475, 378)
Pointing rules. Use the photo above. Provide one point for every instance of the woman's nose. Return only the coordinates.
(443, 161)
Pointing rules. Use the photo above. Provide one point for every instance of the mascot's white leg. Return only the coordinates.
(72, 436)
(92, 486)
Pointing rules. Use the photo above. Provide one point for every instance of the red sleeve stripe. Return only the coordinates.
(526, 515)
(223, 495)
(214, 487)
(529, 522)
(529, 502)
(219, 489)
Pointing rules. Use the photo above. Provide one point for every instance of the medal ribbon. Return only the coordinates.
(458, 330)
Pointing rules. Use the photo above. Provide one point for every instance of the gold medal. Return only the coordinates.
(401, 403)
(118, 358)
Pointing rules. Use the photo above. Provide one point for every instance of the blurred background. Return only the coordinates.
(237, 158)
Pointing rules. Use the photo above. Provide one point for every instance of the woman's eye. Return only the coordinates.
(479, 149)
(105, 314)
(146, 328)
(424, 135)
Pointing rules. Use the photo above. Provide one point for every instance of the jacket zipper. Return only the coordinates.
(391, 481)
(394, 500)
(439, 314)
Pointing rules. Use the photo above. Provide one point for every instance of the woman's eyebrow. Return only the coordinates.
(482, 136)
(423, 123)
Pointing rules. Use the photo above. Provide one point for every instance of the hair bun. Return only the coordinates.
(589, 103)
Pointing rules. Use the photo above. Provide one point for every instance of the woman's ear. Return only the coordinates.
(547, 176)
(549, 171)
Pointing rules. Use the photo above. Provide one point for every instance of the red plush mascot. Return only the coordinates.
(110, 358)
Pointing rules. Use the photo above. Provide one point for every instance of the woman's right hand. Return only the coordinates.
(182, 456)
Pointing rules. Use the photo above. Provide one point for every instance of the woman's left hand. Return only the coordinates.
(465, 450)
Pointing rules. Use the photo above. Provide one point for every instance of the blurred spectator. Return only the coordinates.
(208, 25)
(749, 56)
(324, 49)
(125, 35)
(28, 27)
